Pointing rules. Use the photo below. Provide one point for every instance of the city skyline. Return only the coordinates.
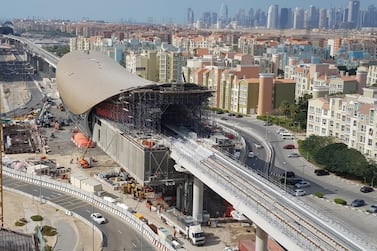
(136, 11)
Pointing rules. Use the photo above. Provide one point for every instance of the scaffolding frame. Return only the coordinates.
(143, 109)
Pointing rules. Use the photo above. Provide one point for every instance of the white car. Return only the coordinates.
(251, 155)
(293, 155)
(258, 146)
(299, 192)
(97, 217)
(302, 184)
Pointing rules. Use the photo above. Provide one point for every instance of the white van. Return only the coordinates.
(287, 135)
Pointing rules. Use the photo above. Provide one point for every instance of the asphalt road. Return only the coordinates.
(117, 234)
(355, 220)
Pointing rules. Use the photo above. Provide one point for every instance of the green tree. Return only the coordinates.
(312, 144)
(325, 155)
(284, 108)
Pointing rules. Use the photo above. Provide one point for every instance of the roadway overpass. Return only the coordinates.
(295, 225)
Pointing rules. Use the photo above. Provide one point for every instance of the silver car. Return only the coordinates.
(372, 209)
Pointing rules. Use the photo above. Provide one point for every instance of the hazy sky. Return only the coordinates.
(142, 10)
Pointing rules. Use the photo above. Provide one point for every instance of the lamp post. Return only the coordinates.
(93, 223)
(267, 123)
(285, 175)
(40, 180)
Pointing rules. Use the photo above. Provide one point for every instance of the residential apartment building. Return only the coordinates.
(352, 119)
(372, 75)
(170, 66)
(144, 64)
(310, 76)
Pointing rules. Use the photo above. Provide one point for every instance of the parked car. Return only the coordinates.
(267, 123)
(258, 146)
(290, 181)
(287, 135)
(281, 130)
(293, 155)
(251, 154)
(239, 116)
(97, 217)
(289, 146)
(290, 174)
(299, 192)
(372, 209)
(302, 184)
(321, 172)
(366, 189)
(358, 203)
(223, 118)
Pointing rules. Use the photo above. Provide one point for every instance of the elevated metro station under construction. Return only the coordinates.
(130, 118)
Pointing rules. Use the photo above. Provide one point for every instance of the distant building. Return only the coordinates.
(273, 17)
(353, 14)
(190, 16)
(298, 18)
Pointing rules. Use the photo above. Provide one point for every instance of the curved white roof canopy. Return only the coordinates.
(86, 79)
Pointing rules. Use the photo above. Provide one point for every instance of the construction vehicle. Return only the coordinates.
(82, 161)
(185, 225)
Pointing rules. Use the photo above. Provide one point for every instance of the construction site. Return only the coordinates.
(131, 127)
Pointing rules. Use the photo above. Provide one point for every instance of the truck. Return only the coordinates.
(185, 225)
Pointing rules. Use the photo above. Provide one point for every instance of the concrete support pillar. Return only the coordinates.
(197, 200)
(260, 239)
(186, 196)
(178, 197)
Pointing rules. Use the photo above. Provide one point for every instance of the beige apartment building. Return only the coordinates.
(352, 119)
(372, 75)
(170, 66)
(144, 64)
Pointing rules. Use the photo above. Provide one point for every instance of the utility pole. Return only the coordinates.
(1, 172)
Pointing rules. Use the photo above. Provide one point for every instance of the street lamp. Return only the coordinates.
(266, 124)
(285, 175)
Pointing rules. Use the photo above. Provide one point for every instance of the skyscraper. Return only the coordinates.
(323, 21)
(312, 18)
(223, 16)
(353, 13)
(298, 18)
(285, 19)
(273, 16)
(190, 16)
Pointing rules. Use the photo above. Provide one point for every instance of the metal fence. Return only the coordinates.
(96, 201)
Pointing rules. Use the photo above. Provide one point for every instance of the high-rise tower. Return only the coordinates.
(353, 13)
(273, 16)
(223, 16)
(298, 18)
(190, 16)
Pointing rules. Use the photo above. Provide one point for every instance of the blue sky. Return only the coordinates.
(140, 10)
